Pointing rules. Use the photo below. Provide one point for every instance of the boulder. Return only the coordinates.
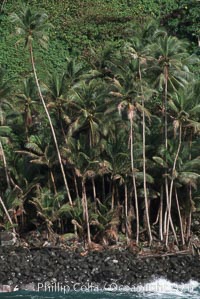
(5, 288)
(8, 238)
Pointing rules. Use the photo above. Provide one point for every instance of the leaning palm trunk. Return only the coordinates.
(51, 125)
(144, 160)
(180, 218)
(161, 223)
(134, 181)
(167, 205)
(5, 164)
(75, 184)
(189, 222)
(172, 184)
(171, 222)
(53, 182)
(7, 214)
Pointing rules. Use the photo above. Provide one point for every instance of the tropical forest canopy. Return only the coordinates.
(99, 118)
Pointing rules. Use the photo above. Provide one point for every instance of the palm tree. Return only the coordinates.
(144, 151)
(136, 50)
(4, 130)
(124, 91)
(40, 154)
(185, 115)
(48, 206)
(7, 214)
(27, 100)
(195, 95)
(172, 73)
(85, 104)
(4, 104)
(57, 94)
(101, 61)
(188, 175)
(83, 165)
(33, 26)
(117, 158)
(74, 71)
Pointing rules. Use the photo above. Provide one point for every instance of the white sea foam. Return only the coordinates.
(161, 287)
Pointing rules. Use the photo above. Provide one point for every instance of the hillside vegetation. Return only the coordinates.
(99, 119)
(81, 24)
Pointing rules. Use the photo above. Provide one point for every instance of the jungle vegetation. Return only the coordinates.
(103, 140)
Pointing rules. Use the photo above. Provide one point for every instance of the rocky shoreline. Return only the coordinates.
(38, 269)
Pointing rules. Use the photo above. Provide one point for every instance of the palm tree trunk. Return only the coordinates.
(172, 183)
(161, 215)
(94, 192)
(51, 125)
(76, 184)
(189, 222)
(166, 71)
(126, 210)
(85, 211)
(113, 196)
(180, 218)
(5, 164)
(170, 218)
(134, 184)
(166, 217)
(167, 203)
(7, 214)
(90, 139)
(53, 182)
(103, 189)
(144, 160)
(61, 124)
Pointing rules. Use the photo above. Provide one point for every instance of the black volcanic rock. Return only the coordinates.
(31, 267)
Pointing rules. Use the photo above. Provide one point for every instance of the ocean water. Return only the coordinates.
(160, 288)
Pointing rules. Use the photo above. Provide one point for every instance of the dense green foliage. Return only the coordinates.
(123, 98)
(79, 25)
